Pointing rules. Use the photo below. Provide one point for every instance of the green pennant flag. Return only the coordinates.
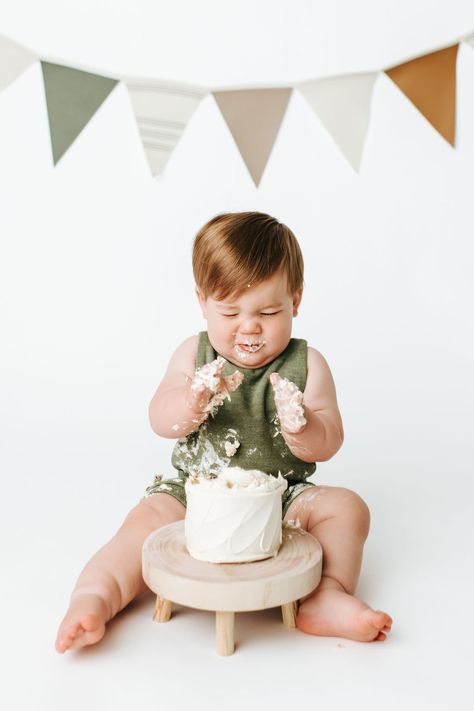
(72, 98)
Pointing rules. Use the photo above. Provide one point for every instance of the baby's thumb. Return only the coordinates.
(275, 379)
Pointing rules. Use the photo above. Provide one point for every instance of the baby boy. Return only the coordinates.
(272, 406)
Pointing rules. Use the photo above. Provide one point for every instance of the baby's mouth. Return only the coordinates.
(249, 347)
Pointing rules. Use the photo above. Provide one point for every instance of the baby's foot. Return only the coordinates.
(331, 612)
(83, 624)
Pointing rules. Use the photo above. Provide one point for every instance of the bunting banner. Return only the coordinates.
(162, 111)
(429, 82)
(254, 116)
(14, 60)
(335, 99)
(72, 98)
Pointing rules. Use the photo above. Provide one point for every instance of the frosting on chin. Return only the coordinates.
(235, 517)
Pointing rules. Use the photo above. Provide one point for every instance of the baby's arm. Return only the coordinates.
(185, 398)
(310, 422)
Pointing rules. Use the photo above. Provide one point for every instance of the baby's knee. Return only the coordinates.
(155, 511)
(355, 510)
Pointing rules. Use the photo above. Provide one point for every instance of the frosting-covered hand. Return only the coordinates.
(209, 388)
(289, 404)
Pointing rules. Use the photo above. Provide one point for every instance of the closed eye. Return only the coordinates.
(229, 315)
(272, 313)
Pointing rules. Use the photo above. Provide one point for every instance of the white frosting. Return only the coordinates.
(252, 346)
(231, 447)
(234, 517)
(210, 376)
(289, 402)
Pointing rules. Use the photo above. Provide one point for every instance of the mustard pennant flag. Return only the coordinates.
(429, 82)
(162, 111)
(72, 96)
(343, 105)
(14, 59)
(254, 118)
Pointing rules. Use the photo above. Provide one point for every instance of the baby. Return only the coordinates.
(245, 392)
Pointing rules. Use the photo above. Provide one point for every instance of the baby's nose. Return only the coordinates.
(250, 325)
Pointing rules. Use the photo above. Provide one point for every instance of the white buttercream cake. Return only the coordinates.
(234, 517)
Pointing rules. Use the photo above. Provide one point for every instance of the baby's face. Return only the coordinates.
(253, 328)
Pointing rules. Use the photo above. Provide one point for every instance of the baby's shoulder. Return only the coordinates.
(184, 357)
(316, 363)
(314, 356)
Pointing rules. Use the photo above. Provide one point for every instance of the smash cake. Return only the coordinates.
(235, 516)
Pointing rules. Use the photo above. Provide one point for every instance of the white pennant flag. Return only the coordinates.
(469, 40)
(14, 59)
(162, 111)
(343, 105)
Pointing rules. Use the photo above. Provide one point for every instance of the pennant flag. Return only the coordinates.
(343, 105)
(162, 111)
(14, 59)
(72, 97)
(429, 82)
(254, 117)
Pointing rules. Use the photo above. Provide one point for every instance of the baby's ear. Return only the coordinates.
(202, 302)
(297, 296)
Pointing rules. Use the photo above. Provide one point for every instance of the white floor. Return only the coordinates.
(418, 567)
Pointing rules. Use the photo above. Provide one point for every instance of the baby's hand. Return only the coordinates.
(209, 387)
(289, 404)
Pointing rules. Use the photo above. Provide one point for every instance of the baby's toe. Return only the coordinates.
(91, 622)
(73, 630)
(380, 621)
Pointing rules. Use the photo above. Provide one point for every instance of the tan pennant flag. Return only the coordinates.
(343, 105)
(162, 111)
(254, 117)
(430, 84)
(72, 96)
(14, 59)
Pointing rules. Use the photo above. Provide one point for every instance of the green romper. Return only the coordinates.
(244, 431)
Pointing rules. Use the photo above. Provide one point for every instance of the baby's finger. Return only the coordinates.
(198, 389)
(233, 381)
(219, 365)
(274, 379)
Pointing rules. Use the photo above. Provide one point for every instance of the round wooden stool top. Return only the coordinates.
(174, 575)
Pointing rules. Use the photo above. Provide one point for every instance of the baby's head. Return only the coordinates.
(248, 269)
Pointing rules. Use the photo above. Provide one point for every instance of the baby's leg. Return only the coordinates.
(340, 520)
(113, 576)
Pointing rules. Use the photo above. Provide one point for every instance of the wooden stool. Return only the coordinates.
(227, 588)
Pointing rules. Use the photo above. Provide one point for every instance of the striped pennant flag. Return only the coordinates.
(162, 111)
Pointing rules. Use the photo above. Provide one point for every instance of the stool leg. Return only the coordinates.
(162, 612)
(288, 612)
(225, 633)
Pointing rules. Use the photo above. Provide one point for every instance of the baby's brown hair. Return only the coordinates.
(236, 249)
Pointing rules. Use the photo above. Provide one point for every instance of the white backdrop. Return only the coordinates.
(96, 291)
